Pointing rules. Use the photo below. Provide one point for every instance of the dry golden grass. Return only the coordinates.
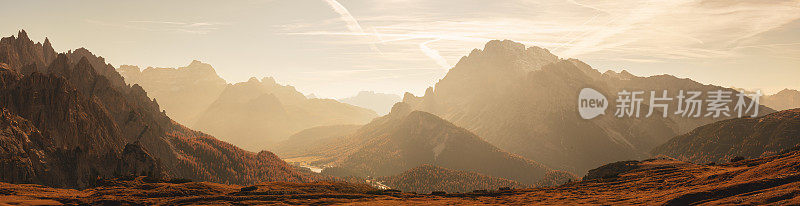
(773, 180)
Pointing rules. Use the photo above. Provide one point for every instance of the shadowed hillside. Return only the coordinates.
(405, 139)
(315, 141)
(746, 137)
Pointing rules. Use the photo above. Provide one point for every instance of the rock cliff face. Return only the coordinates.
(721, 141)
(84, 123)
(30, 156)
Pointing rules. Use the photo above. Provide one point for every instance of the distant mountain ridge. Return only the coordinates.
(183, 92)
(256, 114)
(783, 100)
(378, 102)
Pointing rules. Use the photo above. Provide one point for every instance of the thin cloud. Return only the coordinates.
(185, 27)
(617, 28)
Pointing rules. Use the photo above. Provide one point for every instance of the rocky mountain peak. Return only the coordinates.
(508, 48)
(22, 35)
(268, 80)
(198, 66)
(503, 46)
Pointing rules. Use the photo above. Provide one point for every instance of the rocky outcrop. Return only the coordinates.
(611, 171)
(135, 161)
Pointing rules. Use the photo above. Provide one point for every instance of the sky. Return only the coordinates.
(335, 48)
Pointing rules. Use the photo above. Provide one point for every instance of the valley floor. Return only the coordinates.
(769, 180)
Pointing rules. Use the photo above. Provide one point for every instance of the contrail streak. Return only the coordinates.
(434, 54)
(352, 23)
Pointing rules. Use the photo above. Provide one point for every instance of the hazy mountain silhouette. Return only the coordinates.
(183, 92)
(258, 113)
(746, 137)
(783, 100)
(378, 102)
(405, 139)
(523, 100)
(78, 122)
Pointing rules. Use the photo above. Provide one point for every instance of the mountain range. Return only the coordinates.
(504, 117)
(257, 114)
(523, 100)
(70, 120)
(181, 92)
(405, 139)
(253, 115)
